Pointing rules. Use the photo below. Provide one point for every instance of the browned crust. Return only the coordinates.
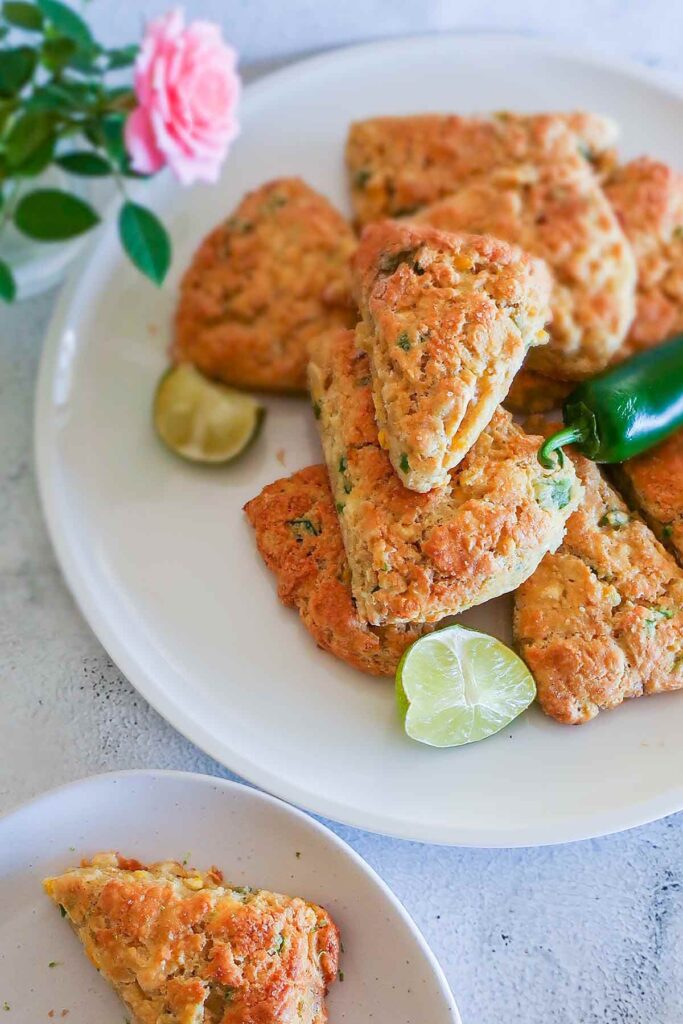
(601, 620)
(448, 319)
(298, 536)
(418, 557)
(262, 284)
(175, 942)
(647, 196)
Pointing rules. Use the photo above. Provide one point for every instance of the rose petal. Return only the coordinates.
(139, 138)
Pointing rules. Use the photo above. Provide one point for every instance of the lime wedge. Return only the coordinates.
(458, 686)
(202, 420)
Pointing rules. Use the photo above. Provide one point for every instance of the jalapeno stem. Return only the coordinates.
(568, 435)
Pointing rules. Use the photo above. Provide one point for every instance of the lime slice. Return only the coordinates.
(202, 420)
(458, 686)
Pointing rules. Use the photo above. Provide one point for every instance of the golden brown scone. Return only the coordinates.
(419, 557)
(601, 619)
(262, 284)
(647, 196)
(653, 484)
(298, 535)
(447, 321)
(533, 392)
(399, 164)
(181, 947)
(557, 211)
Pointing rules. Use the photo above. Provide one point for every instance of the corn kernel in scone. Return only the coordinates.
(419, 557)
(262, 284)
(447, 321)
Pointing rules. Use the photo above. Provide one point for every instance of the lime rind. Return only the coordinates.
(203, 420)
(458, 686)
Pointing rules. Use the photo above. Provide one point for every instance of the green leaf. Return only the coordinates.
(39, 159)
(145, 240)
(66, 21)
(17, 64)
(22, 15)
(122, 57)
(27, 133)
(57, 52)
(85, 163)
(51, 215)
(7, 108)
(93, 133)
(63, 94)
(8, 288)
(86, 60)
(112, 135)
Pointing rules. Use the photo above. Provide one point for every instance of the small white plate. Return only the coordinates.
(163, 564)
(389, 972)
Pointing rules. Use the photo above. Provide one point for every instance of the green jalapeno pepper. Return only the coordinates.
(624, 410)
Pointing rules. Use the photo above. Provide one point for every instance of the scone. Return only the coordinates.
(419, 557)
(532, 392)
(647, 197)
(447, 321)
(182, 947)
(263, 283)
(557, 211)
(601, 619)
(652, 483)
(398, 164)
(299, 538)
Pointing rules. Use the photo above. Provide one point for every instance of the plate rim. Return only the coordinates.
(46, 460)
(308, 822)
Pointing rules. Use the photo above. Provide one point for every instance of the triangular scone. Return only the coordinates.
(559, 213)
(262, 284)
(399, 164)
(420, 557)
(181, 947)
(447, 321)
(299, 537)
(647, 197)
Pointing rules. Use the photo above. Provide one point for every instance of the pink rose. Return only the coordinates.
(187, 90)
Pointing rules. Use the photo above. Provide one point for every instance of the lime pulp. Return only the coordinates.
(457, 686)
(201, 419)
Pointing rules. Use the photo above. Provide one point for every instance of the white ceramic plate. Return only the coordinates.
(163, 563)
(389, 972)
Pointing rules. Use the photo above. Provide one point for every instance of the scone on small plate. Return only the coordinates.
(419, 557)
(447, 321)
(183, 947)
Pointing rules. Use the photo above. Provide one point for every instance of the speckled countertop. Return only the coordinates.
(580, 934)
